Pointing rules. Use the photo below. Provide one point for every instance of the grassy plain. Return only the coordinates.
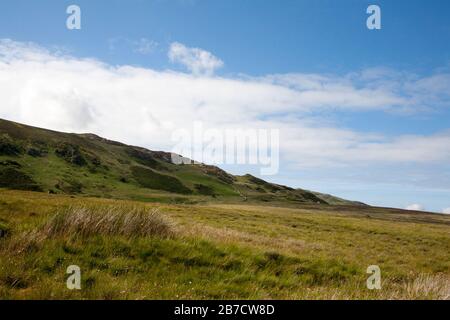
(218, 251)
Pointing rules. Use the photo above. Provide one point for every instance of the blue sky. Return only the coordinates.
(253, 37)
(410, 57)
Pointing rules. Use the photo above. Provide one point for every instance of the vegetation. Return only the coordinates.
(153, 180)
(4, 230)
(15, 179)
(135, 250)
(8, 147)
(70, 153)
(206, 190)
(86, 222)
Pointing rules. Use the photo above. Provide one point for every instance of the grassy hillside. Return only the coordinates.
(136, 250)
(84, 164)
(142, 227)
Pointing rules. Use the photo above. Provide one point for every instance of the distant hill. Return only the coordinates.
(336, 200)
(85, 164)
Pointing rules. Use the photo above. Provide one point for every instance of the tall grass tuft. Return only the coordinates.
(120, 221)
(429, 287)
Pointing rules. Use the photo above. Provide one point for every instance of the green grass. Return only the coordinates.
(148, 178)
(222, 251)
(191, 174)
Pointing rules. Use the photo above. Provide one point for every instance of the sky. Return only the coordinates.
(362, 114)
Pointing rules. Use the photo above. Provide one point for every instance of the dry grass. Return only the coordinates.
(422, 287)
(429, 286)
(84, 222)
(110, 221)
(231, 236)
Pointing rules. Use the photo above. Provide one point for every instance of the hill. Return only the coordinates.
(36, 159)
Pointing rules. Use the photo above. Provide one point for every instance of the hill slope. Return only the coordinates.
(63, 163)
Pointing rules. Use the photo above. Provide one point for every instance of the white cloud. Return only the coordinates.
(446, 211)
(198, 61)
(415, 207)
(319, 146)
(142, 106)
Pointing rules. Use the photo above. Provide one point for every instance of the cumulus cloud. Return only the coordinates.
(143, 106)
(446, 211)
(198, 61)
(415, 207)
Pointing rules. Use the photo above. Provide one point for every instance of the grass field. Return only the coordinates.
(216, 251)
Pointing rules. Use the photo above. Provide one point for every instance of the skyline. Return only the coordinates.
(363, 114)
